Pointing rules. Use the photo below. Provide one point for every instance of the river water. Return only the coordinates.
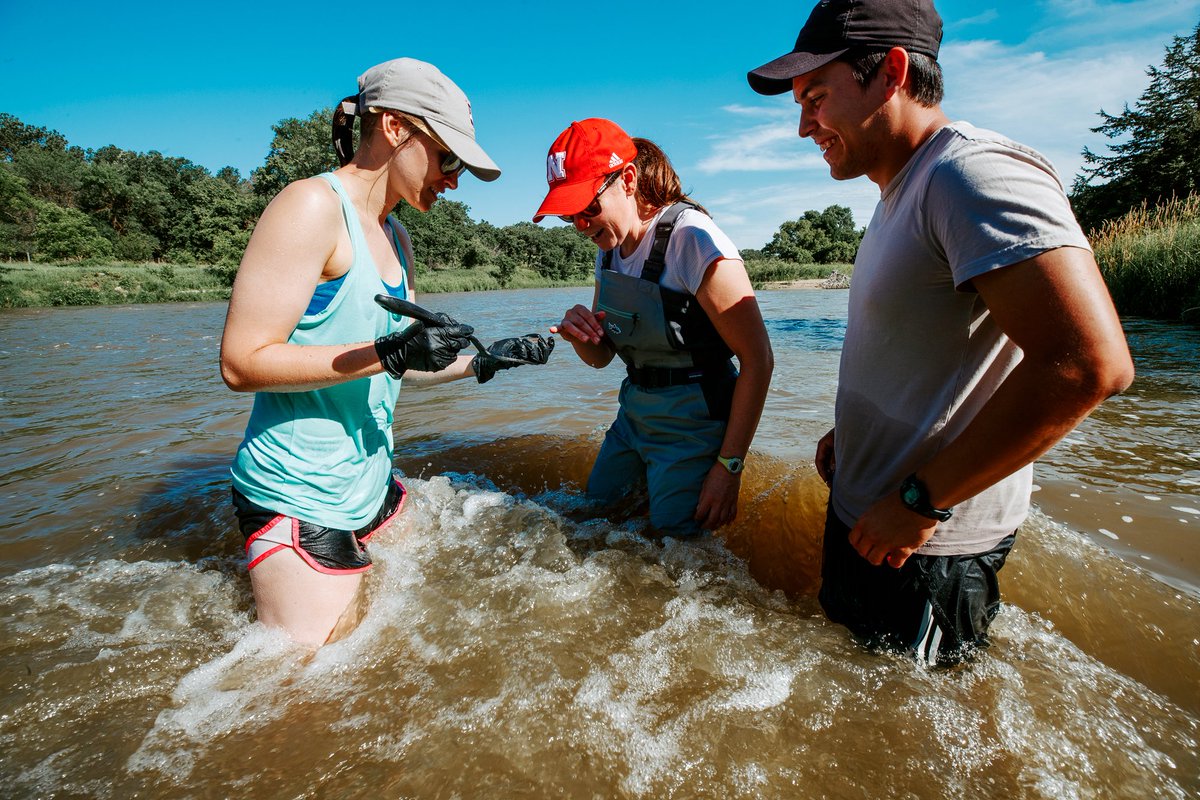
(511, 647)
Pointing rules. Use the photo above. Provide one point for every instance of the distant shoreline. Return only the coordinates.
(802, 283)
(25, 285)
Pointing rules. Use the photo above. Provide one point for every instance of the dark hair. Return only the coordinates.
(924, 73)
(368, 120)
(658, 183)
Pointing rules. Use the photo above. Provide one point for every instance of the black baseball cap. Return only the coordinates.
(836, 26)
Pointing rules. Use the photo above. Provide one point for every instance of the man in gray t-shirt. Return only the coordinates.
(979, 334)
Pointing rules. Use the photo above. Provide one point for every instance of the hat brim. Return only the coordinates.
(466, 148)
(775, 77)
(569, 198)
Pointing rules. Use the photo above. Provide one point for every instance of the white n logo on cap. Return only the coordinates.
(556, 169)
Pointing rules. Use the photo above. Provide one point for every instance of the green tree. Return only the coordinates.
(18, 216)
(106, 195)
(1156, 151)
(16, 136)
(50, 173)
(301, 148)
(564, 254)
(215, 225)
(560, 253)
(818, 237)
(485, 252)
(518, 242)
(132, 194)
(135, 245)
(50, 168)
(442, 236)
(147, 206)
(67, 234)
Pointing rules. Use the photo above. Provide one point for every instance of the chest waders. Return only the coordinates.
(664, 337)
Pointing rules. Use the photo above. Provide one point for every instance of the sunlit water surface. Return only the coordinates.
(513, 647)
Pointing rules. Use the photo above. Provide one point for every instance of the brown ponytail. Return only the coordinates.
(368, 119)
(658, 183)
(343, 129)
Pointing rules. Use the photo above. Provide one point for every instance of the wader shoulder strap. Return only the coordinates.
(652, 270)
(656, 262)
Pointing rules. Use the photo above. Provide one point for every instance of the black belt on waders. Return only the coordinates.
(661, 377)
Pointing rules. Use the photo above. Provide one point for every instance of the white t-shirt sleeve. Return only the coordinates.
(695, 244)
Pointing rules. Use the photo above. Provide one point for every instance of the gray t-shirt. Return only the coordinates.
(922, 353)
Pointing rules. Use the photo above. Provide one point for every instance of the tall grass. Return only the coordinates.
(764, 271)
(1150, 259)
(24, 285)
(481, 279)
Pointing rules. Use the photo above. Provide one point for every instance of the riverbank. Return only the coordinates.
(836, 280)
(803, 283)
(34, 285)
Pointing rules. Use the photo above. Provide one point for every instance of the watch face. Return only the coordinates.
(910, 495)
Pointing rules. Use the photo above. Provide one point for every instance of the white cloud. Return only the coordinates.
(772, 147)
(769, 112)
(752, 214)
(1112, 23)
(1047, 102)
(982, 18)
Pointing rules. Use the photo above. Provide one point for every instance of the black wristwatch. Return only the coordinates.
(915, 498)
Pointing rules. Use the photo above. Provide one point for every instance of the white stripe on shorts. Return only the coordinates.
(270, 539)
(929, 637)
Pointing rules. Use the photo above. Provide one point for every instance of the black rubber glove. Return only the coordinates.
(423, 348)
(509, 353)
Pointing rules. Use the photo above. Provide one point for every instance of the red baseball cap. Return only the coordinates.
(579, 160)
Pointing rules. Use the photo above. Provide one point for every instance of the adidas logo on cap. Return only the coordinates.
(615, 161)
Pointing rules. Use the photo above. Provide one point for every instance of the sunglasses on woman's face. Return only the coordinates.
(593, 207)
(451, 164)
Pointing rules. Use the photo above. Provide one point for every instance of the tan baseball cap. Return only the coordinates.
(420, 89)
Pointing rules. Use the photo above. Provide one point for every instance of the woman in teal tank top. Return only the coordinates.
(312, 479)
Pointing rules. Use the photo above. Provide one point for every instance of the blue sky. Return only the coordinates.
(207, 81)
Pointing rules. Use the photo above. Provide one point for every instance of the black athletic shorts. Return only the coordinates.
(328, 550)
(937, 608)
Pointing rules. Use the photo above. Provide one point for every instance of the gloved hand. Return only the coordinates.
(509, 353)
(423, 348)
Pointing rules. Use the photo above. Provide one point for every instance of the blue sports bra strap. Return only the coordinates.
(394, 226)
(656, 262)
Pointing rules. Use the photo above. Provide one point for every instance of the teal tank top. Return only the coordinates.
(324, 455)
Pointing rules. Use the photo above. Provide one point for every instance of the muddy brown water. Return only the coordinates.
(512, 647)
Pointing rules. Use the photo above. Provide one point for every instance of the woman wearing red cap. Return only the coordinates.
(312, 480)
(674, 303)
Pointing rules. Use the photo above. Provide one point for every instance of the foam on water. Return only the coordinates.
(510, 646)
(113, 639)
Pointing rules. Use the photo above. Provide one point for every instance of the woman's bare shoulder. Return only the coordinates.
(310, 198)
(302, 222)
